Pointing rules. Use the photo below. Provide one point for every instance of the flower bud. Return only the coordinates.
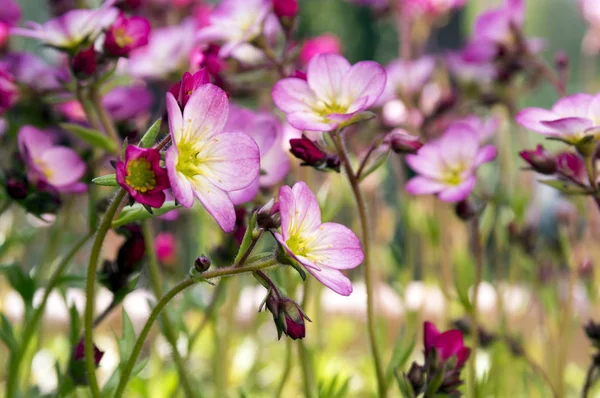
(402, 142)
(285, 8)
(540, 160)
(326, 43)
(84, 62)
(561, 60)
(592, 330)
(17, 186)
(202, 263)
(267, 217)
(465, 209)
(416, 376)
(77, 367)
(308, 151)
(287, 315)
(164, 244)
(183, 90)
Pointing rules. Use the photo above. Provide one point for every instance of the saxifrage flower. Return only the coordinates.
(141, 175)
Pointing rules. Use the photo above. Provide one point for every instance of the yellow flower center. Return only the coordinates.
(453, 176)
(140, 175)
(122, 38)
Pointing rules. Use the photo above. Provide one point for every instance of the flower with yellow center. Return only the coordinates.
(141, 175)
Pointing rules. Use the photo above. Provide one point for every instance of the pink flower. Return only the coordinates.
(590, 10)
(184, 89)
(322, 248)
(165, 244)
(267, 131)
(126, 34)
(125, 103)
(31, 71)
(141, 175)
(285, 8)
(10, 13)
(447, 166)
(572, 119)
(333, 93)
(471, 71)
(485, 127)
(58, 166)
(324, 44)
(447, 344)
(205, 161)
(430, 8)
(9, 92)
(73, 28)
(408, 77)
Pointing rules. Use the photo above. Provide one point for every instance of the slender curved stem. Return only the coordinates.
(104, 117)
(155, 281)
(216, 273)
(287, 367)
(366, 235)
(477, 253)
(30, 327)
(589, 379)
(89, 291)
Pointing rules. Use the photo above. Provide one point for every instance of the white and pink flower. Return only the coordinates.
(204, 160)
(332, 94)
(323, 249)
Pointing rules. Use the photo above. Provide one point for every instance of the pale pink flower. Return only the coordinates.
(447, 166)
(57, 166)
(429, 8)
(126, 34)
(407, 77)
(72, 29)
(333, 93)
(590, 10)
(323, 249)
(205, 161)
(485, 127)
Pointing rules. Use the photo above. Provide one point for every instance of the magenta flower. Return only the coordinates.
(285, 8)
(447, 166)
(48, 164)
(141, 175)
(333, 93)
(9, 92)
(73, 28)
(447, 344)
(10, 13)
(126, 34)
(572, 119)
(267, 131)
(322, 248)
(165, 244)
(205, 161)
(323, 44)
(184, 89)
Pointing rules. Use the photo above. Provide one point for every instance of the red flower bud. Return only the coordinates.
(402, 142)
(285, 8)
(183, 90)
(306, 150)
(540, 160)
(84, 62)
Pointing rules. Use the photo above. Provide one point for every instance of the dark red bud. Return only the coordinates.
(306, 150)
(540, 160)
(84, 62)
(202, 263)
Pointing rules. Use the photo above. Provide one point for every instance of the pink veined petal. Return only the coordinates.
(33, 141)
(531, 119)
(244, 195)
(486, 154)
(207, 111)
(459, 192)
(333, 279)
(430, 333)
(423, 186)
(180, 186)
(325, 74)
(335, 246)
(276, 164)
(569, 125)
(366, 80)
(64, 165)
(232, 161)
(175, 118)
(428, 166)
(310, 121)
(293, 95)
(575, 105)
(307, 213)
(239, 119)
(216, 202)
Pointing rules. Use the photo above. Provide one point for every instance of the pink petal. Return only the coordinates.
(333, 279)
(244, 195)
(594, 109)
(576, 105)
(276, 164)
(366, 80)
(293, 95)
(430, 333)
(65, 165)
(459, 192)
(569, 125)
(33, 142)
(486, 154)
(459, 144)
(207, 111)
(335, 246)
(216, 202)
(152, 199)
(425, 164)
(531, 119)
(175, 118)
(181, 187)
(423, 186)
(325, 74)
(310, 121)
(299, 210)
(462, 356)
(449, 343)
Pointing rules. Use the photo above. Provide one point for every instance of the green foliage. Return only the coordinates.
(149, 138)
(109, 180)
(138, 212)
(20, 281)
(92, 137)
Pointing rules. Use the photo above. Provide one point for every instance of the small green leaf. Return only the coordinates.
(127, 340)
(137, 212)
(93, 137)
(247, 239)
(20, 281)
(149, 138)
(109, 180)
(401, 353)
(6, 334)
(464, 277)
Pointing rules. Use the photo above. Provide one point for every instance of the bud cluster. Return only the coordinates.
(312, 155)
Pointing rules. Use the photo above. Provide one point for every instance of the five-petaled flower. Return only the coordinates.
(332, 94)
(447, 166)
(49, 164)
(141, 175)
(126, 34)
(205, 161)
(322, 248)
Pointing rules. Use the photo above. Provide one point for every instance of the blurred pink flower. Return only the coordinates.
(126, 34)
(333, 93)
(165, 246)
(485, 127)
(429, 8)
(285, 8)
(73, 28)
(58, 166)
(141, 175)
(322, 248)
(324, 44)
(9, 92)
(540, 160)
(205, 161)
(571, 119)
(267, 131)
(183, 90)
(125, 103)
(447, 344)
(10, 13)
(31, 71)
(447, 166)
(471, 71)
(407, 78)
(590, 10)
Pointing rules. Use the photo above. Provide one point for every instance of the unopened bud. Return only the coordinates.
(402, 142)
(540, 160)
(17, 187)
(285, 8)
(268, 216)
(561, 60)
(465, 209)
(202, 263)
(84, 62)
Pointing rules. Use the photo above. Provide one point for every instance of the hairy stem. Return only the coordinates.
(155, 281)
(105, 225)
(366, 235)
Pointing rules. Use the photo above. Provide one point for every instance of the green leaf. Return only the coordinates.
(137, 212)
(566, 187)
(149, 138)
(109, 180)
(247, 239)
(75, 330)
(93, 137)
(7, 335)
(127, 340)
(20, 281)
(375, 164)
(401, 353)
(464, 277)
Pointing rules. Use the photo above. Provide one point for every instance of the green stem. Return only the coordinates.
(287, 367)
(366, 235)
(89, 292)
(155, 281)
(216, 273)
(87, 109)
(307, 375)
(104, 117)
(31, 325)
(477, 253)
